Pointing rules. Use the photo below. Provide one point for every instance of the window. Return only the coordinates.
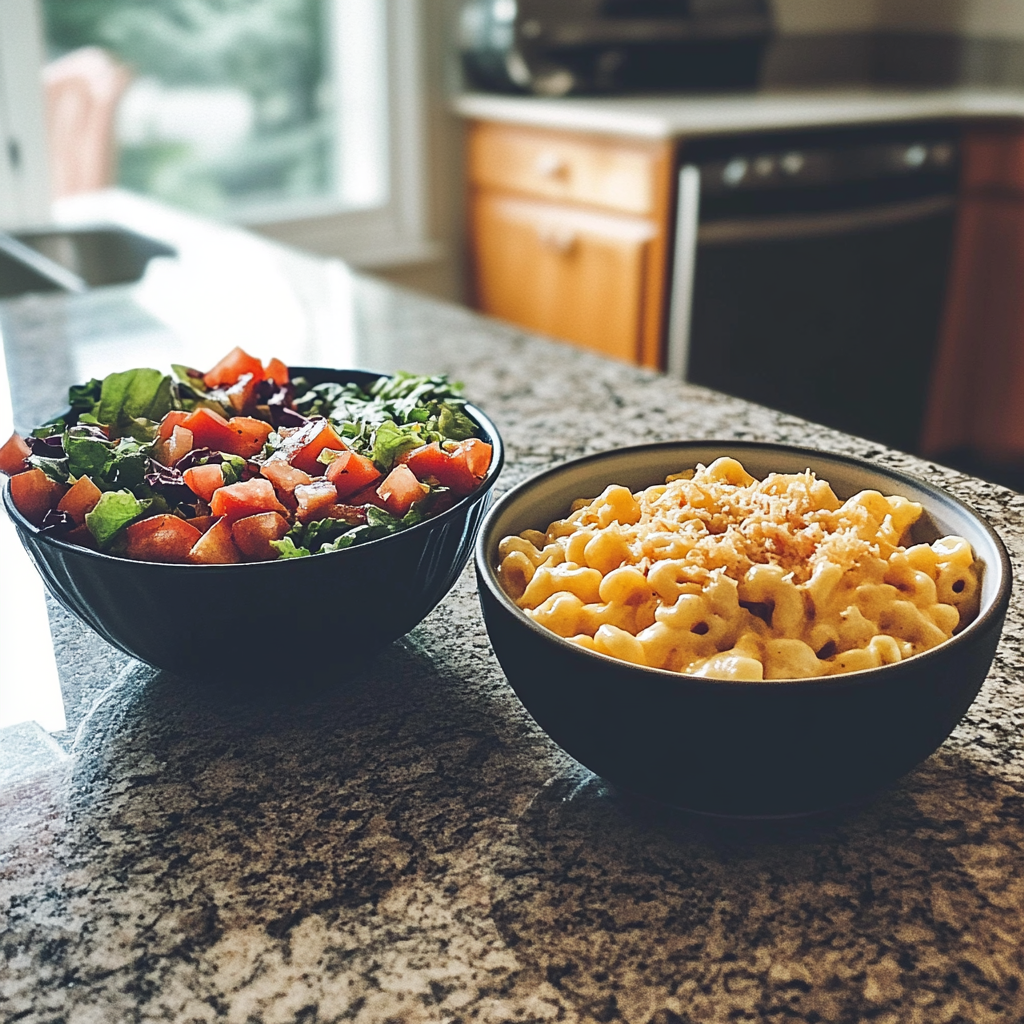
(297, 117)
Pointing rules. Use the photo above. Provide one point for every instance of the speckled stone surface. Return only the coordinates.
(406, 845)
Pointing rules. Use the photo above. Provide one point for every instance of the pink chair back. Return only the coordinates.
(83, 89)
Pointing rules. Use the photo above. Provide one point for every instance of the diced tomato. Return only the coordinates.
(302, 448)
(253, 534)
(427, 460)
(368, 496)
(351, 472)
(475, 455)
(350, 513)
(204, 480)
(80, 499)
(202, 523)
(313, 497)
(216, 546)
(13, 455)
(175, 418)
(82, 536)
(231, 367)
(430, 462)
(209, 430)
(236, 501)
(170, 449)
(242, 395)
(163, 538)
(241, 435)
(34, 494)
(401, 490)
(250, 435)
(460, 469)
(284, 476)
(276, 371)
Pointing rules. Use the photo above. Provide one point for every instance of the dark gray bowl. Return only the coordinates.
(737, 748)
(283, 619)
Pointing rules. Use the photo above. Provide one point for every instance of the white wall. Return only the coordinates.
(811, 17)
(980, 19)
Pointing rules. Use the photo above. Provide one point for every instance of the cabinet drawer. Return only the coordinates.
(613, 175)
(572, 274)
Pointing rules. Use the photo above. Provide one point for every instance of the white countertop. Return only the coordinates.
(668, 117)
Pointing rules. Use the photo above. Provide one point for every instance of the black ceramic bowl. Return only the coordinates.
(739, 748)
(285, 619)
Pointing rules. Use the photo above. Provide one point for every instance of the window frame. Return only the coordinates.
(392, 233)
(24, 169)
(396, 231)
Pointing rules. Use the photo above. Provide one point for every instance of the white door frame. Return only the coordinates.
(24, 170)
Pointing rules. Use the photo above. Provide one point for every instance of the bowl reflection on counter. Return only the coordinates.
(722, 746)
(286, 619)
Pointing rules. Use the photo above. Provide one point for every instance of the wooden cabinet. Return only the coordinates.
(976, 406)
(569, 236)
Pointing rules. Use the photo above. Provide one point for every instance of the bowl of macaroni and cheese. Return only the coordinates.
(739, 628)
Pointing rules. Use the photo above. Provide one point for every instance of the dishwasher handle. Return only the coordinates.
(794, 226)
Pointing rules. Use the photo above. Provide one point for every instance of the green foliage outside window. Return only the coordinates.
(273, 51)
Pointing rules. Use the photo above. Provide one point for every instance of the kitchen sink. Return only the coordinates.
(74, 259)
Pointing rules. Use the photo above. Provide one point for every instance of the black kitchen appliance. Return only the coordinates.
(810, 270)
(556, 47)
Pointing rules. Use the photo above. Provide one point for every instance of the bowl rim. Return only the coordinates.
(487, 573)
(493, 470)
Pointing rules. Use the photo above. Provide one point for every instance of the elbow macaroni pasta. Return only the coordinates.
(716, 574)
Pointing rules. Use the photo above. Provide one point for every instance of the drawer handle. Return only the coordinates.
(551, 165)
(560, 240)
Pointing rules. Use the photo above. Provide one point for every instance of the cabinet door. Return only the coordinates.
(572, 274)
(977, 396)
(976, 406)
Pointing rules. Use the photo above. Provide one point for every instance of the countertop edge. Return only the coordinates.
(661, 118)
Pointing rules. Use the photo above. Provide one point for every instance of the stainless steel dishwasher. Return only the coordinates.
(810, 270)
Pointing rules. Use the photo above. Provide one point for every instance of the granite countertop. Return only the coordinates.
(403, 843)
(669, 117)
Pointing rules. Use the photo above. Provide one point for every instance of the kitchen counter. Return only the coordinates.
(669, 117)
(403, 843)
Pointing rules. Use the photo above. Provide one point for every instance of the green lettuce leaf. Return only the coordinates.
(55, 469)
(56, 426)
(312, 536)
(412, 517)
(127, 464)
(139, 428)
(391, 440)
(114, 511)
(232, 468)
(454, 423)
(134, 394)
(184, 379)
(87, 456)
(286, 548)
(83, 397)
(378, 517)
(344, 541)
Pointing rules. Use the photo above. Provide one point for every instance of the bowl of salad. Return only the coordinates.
(253, 517)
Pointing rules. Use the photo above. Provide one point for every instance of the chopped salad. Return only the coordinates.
(243, 463)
